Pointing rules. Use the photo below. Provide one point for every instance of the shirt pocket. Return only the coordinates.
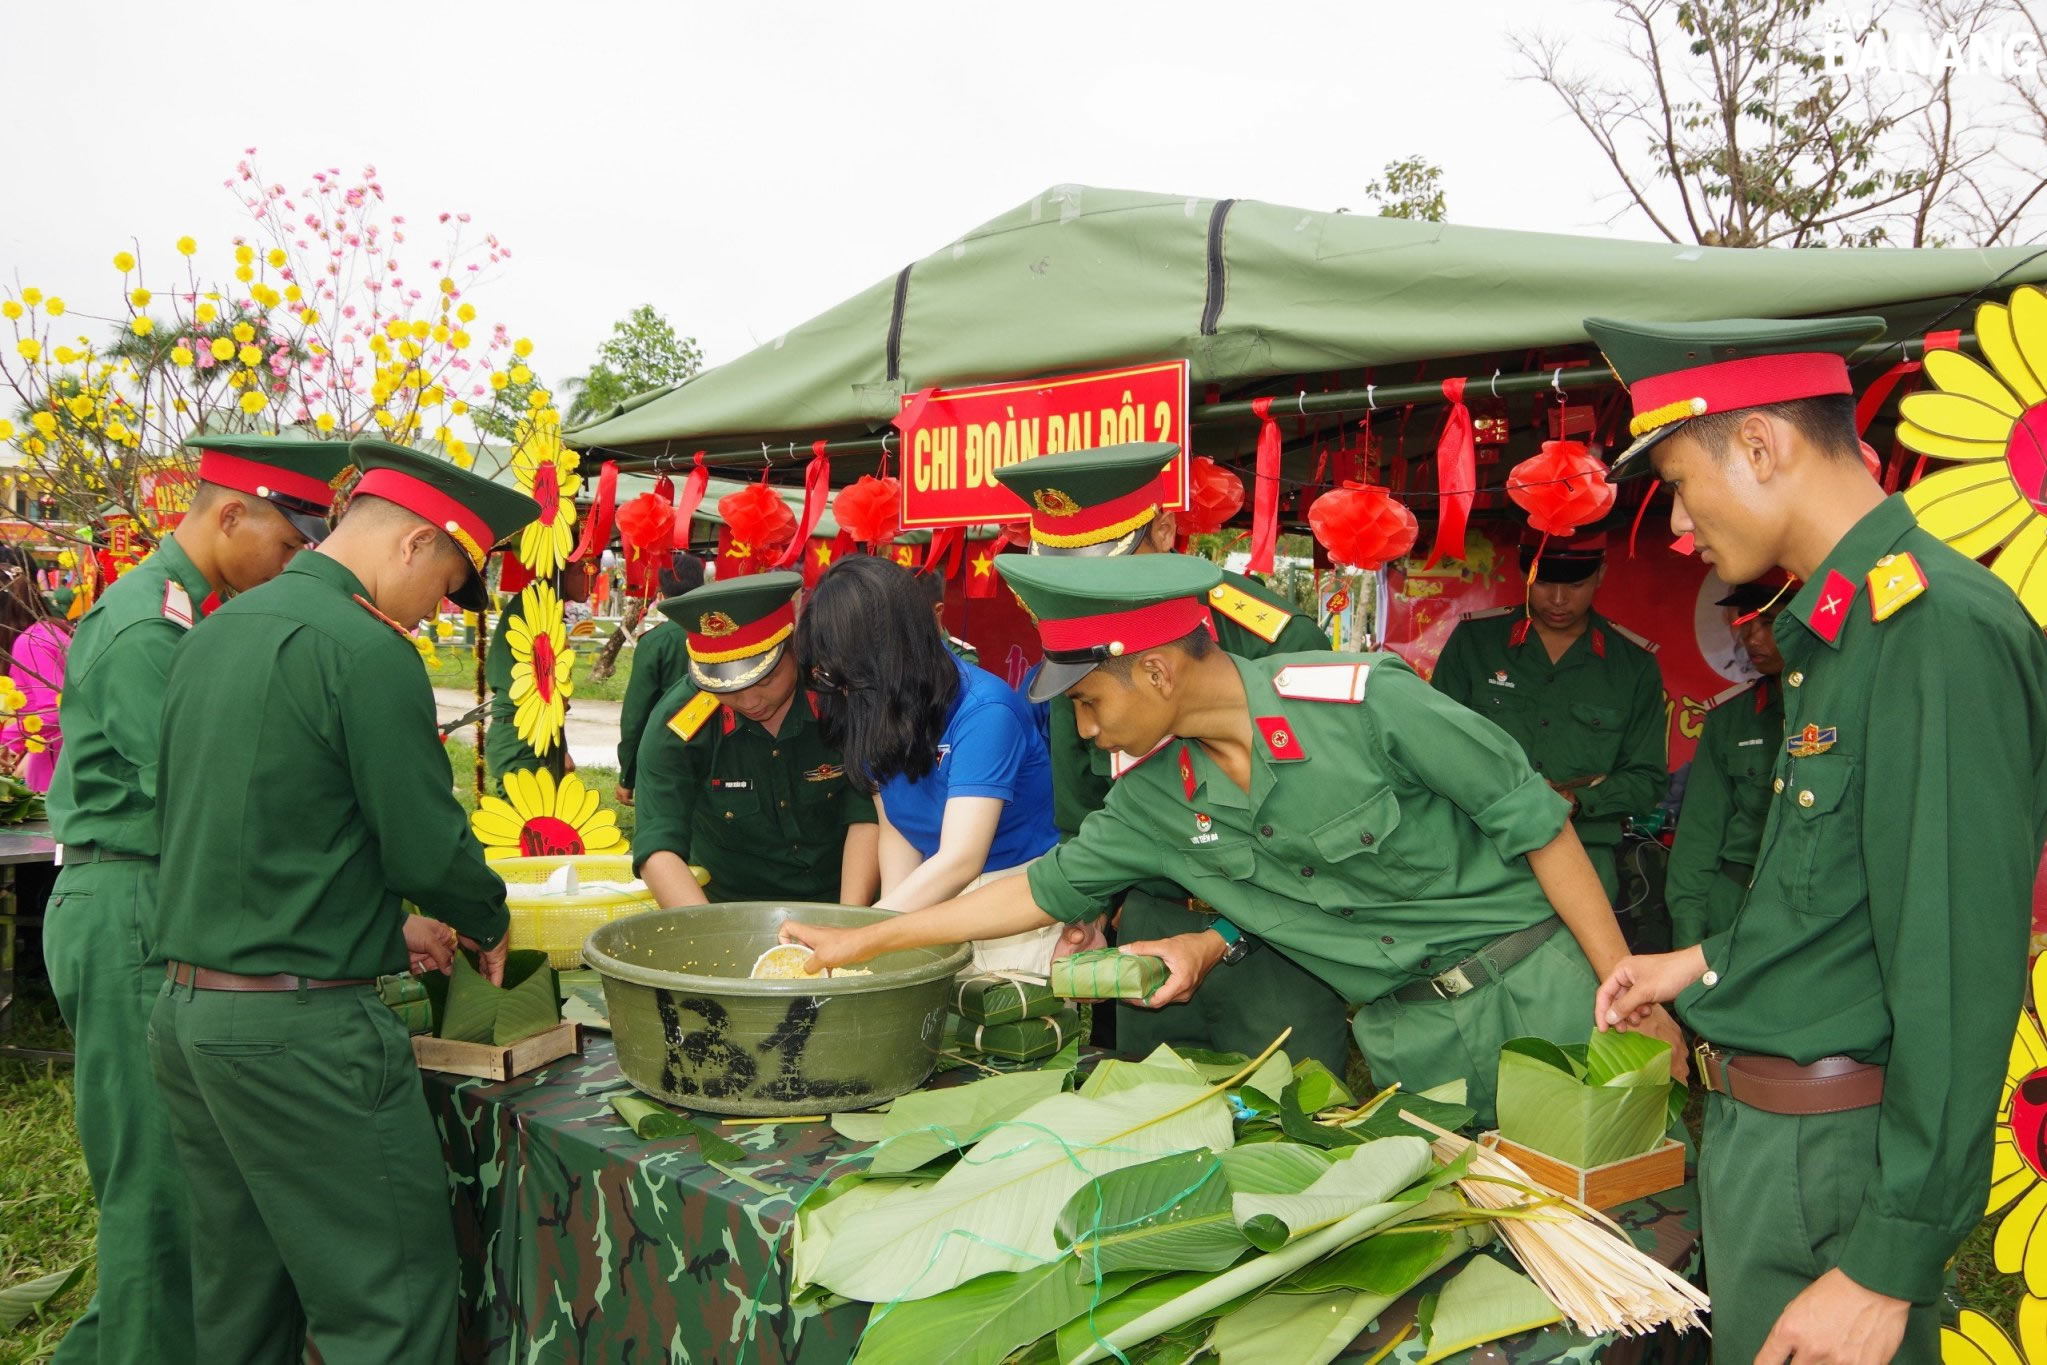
(735, 798)
(1365, 845)
(1206, 869)
(1815, 859)
(1601, 726)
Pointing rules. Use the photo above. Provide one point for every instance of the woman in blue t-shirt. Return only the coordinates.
(959, 766)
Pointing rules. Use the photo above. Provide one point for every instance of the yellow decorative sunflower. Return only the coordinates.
(543, 668)
(2018, 1166)
(538, 817)
(545, 470)
(1976, 1340)
(1992, 421)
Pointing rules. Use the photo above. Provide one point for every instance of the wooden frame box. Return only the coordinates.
(1602, 1187)
(497, 1063)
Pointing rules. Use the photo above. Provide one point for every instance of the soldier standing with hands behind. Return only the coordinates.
(1856, 1018)
(305, 798)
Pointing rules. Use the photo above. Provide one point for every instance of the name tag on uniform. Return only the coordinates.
(729, 785)
(1500, 679)
(1745, 743)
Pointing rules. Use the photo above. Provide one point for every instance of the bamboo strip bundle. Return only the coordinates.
(1582, 1259)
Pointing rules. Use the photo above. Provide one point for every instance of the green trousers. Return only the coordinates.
(99, 968)
(1779, 1196)
(1547, 994)
(320, 1195)
(1241, 1007)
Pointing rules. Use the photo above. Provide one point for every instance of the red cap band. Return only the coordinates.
(1746, 383)
(417, 496)
(1058, 521)
(740, 642)
(253, 476)
(1126, 632)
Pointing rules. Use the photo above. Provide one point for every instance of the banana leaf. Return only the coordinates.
(1361, 1310)
(1385, 1121)
(1301, 1329)
(21, 1301)
(1169, 1214)
(821, 1216)
(926, 1124)
(1076, 1337)
(651, 1121)
(1393, 1259)
(996, 1209)
(1298, 1123)
(861, 1126)
(1484, 1302)
(1371, 1174)
(1274, 1168)
(1162, 1067)
(1318, 1087)
(980, 1322)
(478, 1012)
(1588, 1104)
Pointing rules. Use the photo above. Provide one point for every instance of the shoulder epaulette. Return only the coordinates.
(1639, 641)
(691, 715)
(1322, 682)
(1489, 613)
(1121, 763)
(1896, 580)
(371, 608)
(1728, 694)
(177, 603)
(1259, 617)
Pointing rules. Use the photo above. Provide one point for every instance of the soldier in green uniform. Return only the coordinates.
(503, 750)
(305, 799)
(1579, 694)
(1386, 840)
(1727, 796)
(735, 776)
(258, 501)
(1104, 503)
(1857, 1017)
(660, 661)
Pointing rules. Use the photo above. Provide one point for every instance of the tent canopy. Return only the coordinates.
(1081, 278)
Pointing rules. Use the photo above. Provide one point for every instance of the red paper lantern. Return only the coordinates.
(870, 509)
(1562, 488)
(1214, 496)
(759, 520)
(1362, 526)
(646, 528)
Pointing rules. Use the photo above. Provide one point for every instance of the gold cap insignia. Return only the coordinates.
(716, 624)
(348, 471)
(1054, 503)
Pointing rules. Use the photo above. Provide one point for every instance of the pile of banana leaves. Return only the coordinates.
(1182, 1208)
(18, 802)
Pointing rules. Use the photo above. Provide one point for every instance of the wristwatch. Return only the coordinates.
(1238, 944)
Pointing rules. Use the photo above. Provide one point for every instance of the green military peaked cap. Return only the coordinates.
(475, 512)
(1090, 610)
(1675, 371)
(736, 628)
(294, 473)
(1090, 502)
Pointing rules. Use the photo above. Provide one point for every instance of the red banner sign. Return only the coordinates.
(955, 439)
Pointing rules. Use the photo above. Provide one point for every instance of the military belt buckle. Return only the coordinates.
(1708, 1062)
(1451, 984)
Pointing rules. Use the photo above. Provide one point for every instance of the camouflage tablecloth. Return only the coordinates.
(583, 1244)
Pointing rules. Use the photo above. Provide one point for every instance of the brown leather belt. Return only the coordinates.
(207, 979)
(1777, 1085)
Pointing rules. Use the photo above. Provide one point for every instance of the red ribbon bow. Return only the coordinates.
(1456, 475)
(1265, 502)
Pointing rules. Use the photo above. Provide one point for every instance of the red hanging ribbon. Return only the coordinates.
(1456, 475)
(947, 548)
(817, 483)
(603, 508)
(1265, 501)
(692, 498)
(1874, 397)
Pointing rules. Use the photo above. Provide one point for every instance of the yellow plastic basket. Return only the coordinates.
(558, 924)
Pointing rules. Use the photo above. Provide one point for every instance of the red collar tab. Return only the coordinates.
(1187, 772)
(1598, 643)
(1762, 695)
(464, 526)
(1746, 383)
(1079, 638)
(1518, 636)
(1280, 739)
(815, 712)
(1830, 608)
(730, 716)
(264, 480)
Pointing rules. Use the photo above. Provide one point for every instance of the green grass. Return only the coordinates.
(455, 666)
(46, 1212)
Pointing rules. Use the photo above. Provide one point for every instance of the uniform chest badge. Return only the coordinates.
(1500, 678)
(1813, 739)
(824, 772)
(1280, 739)
(1204, 830)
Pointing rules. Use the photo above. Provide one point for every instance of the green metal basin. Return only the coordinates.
(694, 1029)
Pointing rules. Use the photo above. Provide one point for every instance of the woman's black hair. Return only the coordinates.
(882, 675)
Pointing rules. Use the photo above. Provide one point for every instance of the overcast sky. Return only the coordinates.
(743, 166)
